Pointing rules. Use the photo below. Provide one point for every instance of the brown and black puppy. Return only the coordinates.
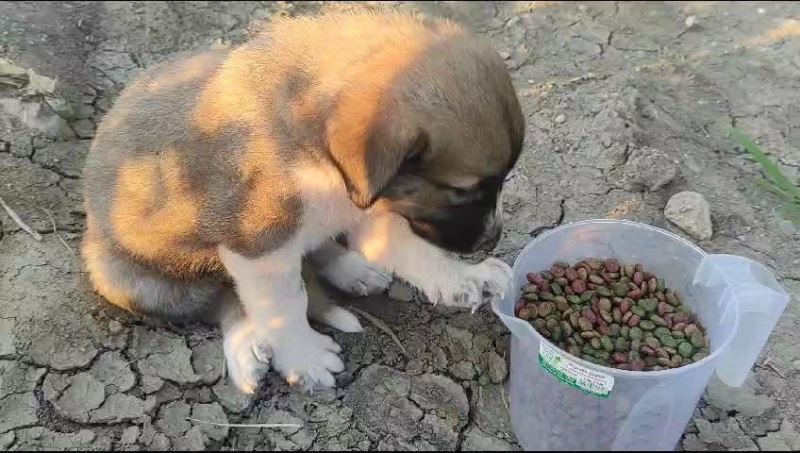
(214, 177)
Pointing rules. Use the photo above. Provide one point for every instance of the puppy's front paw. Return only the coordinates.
(247, 356)
(353, 274)
(309, 361)
(478, 283)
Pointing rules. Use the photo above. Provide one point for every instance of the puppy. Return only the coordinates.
(216, 179)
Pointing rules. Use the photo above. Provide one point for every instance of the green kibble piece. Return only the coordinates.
(678, 334)
(556, 288)
(661, 331)
(658, 320)
(547, 275)
(636, 333)
(624, 331)
(546, 295)
(685, 349)
(556, 334)
(603, 291)
(648, 304)
(574, 299)
(639, 311)
(697, 340)
(660, 284)
(699, 356)
(614, 330)
(595, 342)
(621, 289)
(588, 349)
(533, 297)
(621, 345)
(603, 356)
(607, 344)
(646, 324)
(587, 296)
(668, 341)
(671, 299)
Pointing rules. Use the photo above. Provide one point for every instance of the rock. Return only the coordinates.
(463, 370)
(726, 433)
(690, 21)
(43, 439)
(7, 338)
(743, 399)
(286, 438)
(447, 406)
(759, 426)
(18, 378)
(120, 407)
(648, 169)
(560, 118)
(130, 435)
(338, 422)
(230, 397)
(477, 440)
(192, 441)
(460, 344)
(199, 395)
(787, 439)
(691, 213)
(62, 352)
(208, 360)
(115, 326)
(692, 443)
(379, 398)
(490, 414)
(168, 393)
(496, 366)
(17, 411)
(84, 393)
(114, 371)
(211, 413)
(6, 440)
(83, 128)
(401, 291)
(172, 419)
(160, 442)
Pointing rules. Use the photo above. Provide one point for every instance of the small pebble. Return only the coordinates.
(561, 118)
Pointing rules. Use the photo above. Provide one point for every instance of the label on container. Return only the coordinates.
(575, 375)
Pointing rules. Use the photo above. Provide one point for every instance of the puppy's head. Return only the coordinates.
(447, 131)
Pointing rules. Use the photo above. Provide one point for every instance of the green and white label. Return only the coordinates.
(577, 376)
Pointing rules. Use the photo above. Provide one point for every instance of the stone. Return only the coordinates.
(129, 436)
(292, 439)
(726, 433)
(83, 394)
(489, 411)
(172, 419)
(192, 441)
(6, 440)
(16, 377)
(120, 407)
(62, 352)
(379, 398)
(160, 442)
(560, 118)
(114, 371)
(230, 397)
(463, 370)
(477, 440)
(338, 422)
(151, 384)
(208, 360)
(691, 213)
(434, 392)
(496, 366)
(692, 443)
(786, 439)
(743, 399)
(163, 354)
(211, 413)
(115, 326)
(7, 339)
(648, 169)
(17, 411)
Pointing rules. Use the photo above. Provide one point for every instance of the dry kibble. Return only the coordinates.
(612, 314)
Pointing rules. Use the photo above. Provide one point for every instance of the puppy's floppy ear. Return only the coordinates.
(370, 155)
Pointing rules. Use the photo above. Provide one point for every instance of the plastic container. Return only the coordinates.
(737, 300)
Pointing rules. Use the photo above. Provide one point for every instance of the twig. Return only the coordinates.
(19, 221)
(767, 364)
(238, 425)
(55, 231)
(382, 326)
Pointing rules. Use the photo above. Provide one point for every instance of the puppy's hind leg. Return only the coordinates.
(324, 310)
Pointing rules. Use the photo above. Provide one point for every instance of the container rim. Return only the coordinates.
(601, 368)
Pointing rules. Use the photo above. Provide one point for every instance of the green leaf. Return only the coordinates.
(772, 170)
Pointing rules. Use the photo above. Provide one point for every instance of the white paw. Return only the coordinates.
(477, 283)
(309, 361)
(351, 273)
(247, 357)
(338, 318)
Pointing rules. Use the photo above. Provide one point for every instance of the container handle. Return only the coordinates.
(758, 300)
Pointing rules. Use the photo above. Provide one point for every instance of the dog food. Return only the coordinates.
(612, 314)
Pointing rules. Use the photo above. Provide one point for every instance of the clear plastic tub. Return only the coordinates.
(738, 300)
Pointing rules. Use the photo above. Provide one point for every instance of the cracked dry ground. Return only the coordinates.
(616, 96)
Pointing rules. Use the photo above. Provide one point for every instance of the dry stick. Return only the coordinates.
(55, 231)
(382, 326)
(239, 425)
(19, 221)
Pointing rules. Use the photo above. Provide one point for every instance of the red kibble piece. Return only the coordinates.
(520, 305)
(638, 278)
(612, 265)
(637, 365)
(634, 294)
(578, 286)
(571, 274)
(557, 272)
(536, 278)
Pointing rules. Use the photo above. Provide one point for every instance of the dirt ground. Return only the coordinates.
(626, 105)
